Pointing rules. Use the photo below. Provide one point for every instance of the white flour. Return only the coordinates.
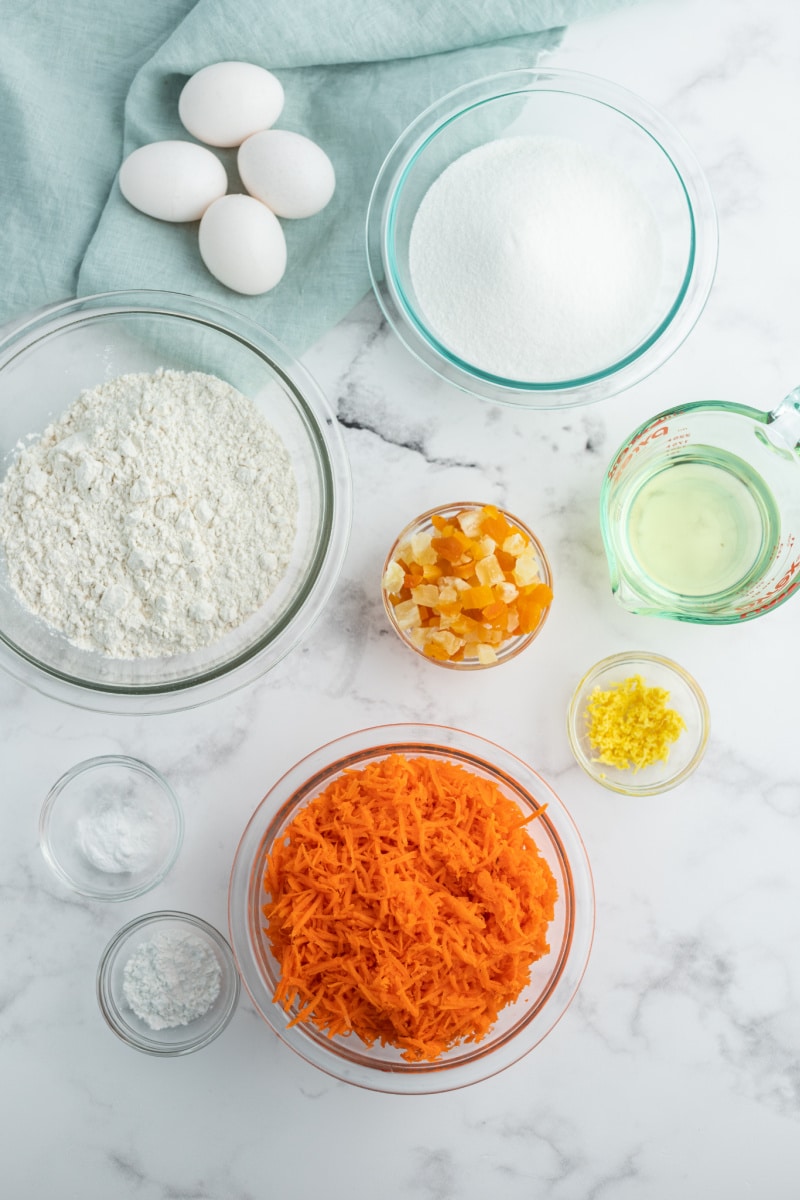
(156, 515)
(536, 258)
(171, 980)
(116, 839)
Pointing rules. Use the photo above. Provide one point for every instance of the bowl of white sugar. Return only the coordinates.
(174, 501)
(541, 238)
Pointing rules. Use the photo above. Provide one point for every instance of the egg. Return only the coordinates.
(174, 181)
(288, 172)
(226, 102)
(242, 244)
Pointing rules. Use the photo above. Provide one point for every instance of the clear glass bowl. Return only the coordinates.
(554, 978)
(592, 112)
(178, 1039)
(685, 696)
(111, 828)
(48, 359)
(513, 645)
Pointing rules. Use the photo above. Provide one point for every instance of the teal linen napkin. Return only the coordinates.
(355, 72)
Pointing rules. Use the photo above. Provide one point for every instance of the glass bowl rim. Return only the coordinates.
(129, 763)
(515, 645)
(485, 1061)
(142, 1042)
(630, 659)
(324, 435)
(644, 359)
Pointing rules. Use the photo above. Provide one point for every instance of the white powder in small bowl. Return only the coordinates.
(536, 259)
(172, 979)
(117, 839)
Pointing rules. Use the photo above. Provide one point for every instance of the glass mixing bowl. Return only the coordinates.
(554, 978)
(593, 113)
(47, 360)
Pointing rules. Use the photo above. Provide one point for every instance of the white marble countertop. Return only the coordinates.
(676, 1071)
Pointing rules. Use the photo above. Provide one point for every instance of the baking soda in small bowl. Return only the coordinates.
(536, 258)
(111, 827)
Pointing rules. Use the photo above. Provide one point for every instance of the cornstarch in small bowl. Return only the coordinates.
(171, 980)
(167, 983)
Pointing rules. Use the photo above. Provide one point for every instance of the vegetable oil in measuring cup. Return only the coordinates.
(703, 523)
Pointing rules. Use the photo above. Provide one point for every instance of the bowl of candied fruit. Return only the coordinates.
(467, 585)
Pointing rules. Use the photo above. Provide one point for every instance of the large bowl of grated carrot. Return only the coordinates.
(411, 908)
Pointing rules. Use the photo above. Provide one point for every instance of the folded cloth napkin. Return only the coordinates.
(82, 85)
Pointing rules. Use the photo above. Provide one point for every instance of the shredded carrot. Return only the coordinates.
(406, 904)
(463, 591)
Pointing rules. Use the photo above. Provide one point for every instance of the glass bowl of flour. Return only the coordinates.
(167, 983)
(541, 238)
(174, 501)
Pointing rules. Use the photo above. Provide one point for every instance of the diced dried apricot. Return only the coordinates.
(476, 597)
(434, 650)
(494, 610)
(529, 615)
(496, 526)
(448, 548)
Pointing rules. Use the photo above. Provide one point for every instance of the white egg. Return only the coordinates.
(288, 172)
(174, 181)
(224, 103)
(242, 244)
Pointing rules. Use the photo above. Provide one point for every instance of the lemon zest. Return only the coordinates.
(631, 725)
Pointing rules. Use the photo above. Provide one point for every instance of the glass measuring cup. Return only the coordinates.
(700, 512)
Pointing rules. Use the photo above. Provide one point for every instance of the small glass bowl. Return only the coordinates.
(512, 646)
(180, 1039)
(88, 821)
(591, 112)
(685, 696)
(554, 978)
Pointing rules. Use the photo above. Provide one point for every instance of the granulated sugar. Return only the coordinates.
(156, 515)
(536, 258)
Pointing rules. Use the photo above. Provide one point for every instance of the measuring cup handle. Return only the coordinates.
(784, 421)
